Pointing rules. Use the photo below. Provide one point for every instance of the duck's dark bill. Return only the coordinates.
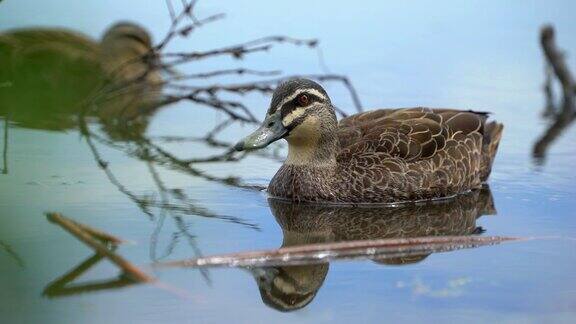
(271, 130)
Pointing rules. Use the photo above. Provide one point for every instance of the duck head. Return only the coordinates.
(300, 112)
(289, 288)
(128, 52)
(124, 33)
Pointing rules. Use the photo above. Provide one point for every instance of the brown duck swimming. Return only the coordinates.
(380, 156)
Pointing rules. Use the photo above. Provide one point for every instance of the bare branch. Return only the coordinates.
(206, 75)
(222, 105)
(174, 30)
(171, 10)
(237, 51)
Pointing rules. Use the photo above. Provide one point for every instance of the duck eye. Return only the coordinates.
(303, 100)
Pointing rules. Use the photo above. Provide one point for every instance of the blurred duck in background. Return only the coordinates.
(51, 77)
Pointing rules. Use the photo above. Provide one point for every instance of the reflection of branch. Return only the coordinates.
(183, 207)
(182, 227)
(567, 114)
(129, 269)
(192, 243)
(323, 252)
(60, 287)
(8, 249)
(144, 152)
(141, 203)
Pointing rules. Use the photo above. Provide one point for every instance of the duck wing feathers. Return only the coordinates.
(415, 153)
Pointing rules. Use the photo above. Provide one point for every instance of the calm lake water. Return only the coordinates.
(476, 55)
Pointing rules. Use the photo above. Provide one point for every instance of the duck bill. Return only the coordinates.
(271, 130)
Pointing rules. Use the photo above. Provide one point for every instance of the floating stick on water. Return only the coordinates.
(323, 252)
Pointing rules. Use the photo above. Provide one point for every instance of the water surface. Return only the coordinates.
(475, 55)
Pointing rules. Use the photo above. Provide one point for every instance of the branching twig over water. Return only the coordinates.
(183, 23)
(178, 88)
(565, 115)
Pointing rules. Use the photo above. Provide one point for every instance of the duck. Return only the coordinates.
(51, 75)
(288, 288)
(383, 156)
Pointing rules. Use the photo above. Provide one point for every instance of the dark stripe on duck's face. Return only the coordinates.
(287, 89)
(294, 104)
(290, 101)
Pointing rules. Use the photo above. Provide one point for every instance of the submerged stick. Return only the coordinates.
(85, 236)
(98, 234)
(323, 252)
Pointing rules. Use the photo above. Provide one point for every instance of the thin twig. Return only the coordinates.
(98, 234)
(185, 12)
(171, 10)
(266, 86)
(211, 74)
(237, 51)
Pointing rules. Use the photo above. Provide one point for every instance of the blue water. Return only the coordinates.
(474, 55)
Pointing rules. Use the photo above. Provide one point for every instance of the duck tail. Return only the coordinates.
(492, 136)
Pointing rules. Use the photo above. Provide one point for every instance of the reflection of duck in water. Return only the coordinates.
(289, 288)
(49, 76)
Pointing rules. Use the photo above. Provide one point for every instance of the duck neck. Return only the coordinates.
(313, 144)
